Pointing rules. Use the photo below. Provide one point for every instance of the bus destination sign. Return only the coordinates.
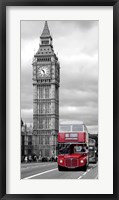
(71, 136)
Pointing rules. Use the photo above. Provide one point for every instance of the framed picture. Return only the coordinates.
(59, 94)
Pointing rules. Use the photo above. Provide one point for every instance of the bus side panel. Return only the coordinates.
(82, 137)
(61, 137)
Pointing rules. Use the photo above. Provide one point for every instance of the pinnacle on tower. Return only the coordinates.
(46, 32)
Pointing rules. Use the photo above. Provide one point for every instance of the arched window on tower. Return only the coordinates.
(42, 93)
(47, 92)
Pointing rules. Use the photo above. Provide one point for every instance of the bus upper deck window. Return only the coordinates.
(65, 128)
(77, 127)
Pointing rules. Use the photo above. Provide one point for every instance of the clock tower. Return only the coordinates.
(46, 78)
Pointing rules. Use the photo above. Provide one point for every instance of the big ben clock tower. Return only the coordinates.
(46, 78)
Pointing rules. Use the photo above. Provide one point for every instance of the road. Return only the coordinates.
(48, 170)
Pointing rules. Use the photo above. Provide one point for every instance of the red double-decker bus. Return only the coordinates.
(72, 146)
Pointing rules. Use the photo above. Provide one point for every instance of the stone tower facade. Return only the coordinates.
(46, 78)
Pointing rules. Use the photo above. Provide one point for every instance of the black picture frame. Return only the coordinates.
(3, 111)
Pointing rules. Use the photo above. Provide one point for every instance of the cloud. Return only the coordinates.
(86, 114)
(27, 115)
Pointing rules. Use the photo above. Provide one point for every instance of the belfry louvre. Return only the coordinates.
(46, 78)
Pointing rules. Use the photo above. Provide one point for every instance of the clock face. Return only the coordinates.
(43, 71)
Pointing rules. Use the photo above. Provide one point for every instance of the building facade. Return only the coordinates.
(26, 141)
(46, 78)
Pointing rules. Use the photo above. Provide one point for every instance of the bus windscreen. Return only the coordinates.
(71, 148)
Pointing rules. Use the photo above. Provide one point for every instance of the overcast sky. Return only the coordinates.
(76, 44)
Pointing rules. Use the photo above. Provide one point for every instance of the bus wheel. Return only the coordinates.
(85, 168)
(60, 168)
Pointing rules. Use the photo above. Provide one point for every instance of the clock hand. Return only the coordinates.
(43, 70)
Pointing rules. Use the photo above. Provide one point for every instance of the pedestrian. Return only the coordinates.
(26, 159)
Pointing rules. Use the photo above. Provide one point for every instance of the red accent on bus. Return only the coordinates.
(63, 137)
(69, 153)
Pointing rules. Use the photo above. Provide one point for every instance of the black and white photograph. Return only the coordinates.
(59, 99)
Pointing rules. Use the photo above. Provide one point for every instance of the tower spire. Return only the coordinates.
(46, 31)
